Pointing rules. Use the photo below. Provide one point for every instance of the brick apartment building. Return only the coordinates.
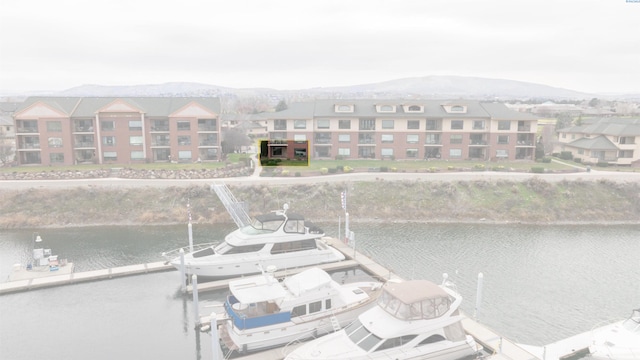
(407, 129)
(122, 130)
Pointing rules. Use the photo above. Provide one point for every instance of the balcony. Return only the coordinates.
(478, 143)
(84, 144)
(160, 128)
(523, 128)
(29, 146)
(160, 143)
(84, 129)
(27, 130)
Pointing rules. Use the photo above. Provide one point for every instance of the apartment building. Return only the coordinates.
(405, 130)
(109, 130)
(615, 141)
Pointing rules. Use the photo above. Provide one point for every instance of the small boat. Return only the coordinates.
(620, 340)
(279, 239)
(43, 264)
(263, 312)
(414, 319)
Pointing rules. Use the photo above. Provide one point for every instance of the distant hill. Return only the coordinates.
(427, 87)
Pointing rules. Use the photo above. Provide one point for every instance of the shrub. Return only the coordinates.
(566, 155)
(298, 174)
(537, 169)
(478, 167)
(347, 169)
(384, 169)
(578, 160)
(285, 173)
(602, 163)
(546, 159)
(333, 170)
(324, 171)
(393, 169)
(340, 167)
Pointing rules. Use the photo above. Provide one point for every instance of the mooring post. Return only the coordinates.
(183, 276)
(478, 296)
(215, 339)
(196, 315)
(190, 236)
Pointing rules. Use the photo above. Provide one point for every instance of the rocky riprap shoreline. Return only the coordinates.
(128, 173)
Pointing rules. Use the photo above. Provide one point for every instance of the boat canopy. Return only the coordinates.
(306, 281)
(415, 299)
(256, 289)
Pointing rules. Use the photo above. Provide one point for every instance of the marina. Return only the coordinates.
(504, 345)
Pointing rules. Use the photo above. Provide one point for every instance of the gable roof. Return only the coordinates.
(607, 126)
(598, 143)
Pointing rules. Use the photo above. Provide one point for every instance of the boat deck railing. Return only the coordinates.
(172, 254)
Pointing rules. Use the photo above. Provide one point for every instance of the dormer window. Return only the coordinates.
(344, 108)
(413, 109)
(456, 109)
(385, 108)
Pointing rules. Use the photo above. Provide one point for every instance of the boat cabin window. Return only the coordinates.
(299, 310)
(327, 304)
(204, 252)
(431, 339)
(227, 249)
(315, 307)
(633, 323)
(395, 342)
(361, 336)
(262, 227)
(429, 308)
(294, 226)
(291, 246)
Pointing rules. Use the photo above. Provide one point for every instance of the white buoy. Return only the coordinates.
(478, 296)
(196, 311)
(183, 276)
(215, 339)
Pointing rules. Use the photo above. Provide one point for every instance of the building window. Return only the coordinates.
(503, 139)
(300, 137)
(280, 124)
(344, 108)
(412, 153)
(137, 155)
(344, 151)
(344, 124)
(110, 156)
(455, 153)
(504, 125)
(625, 154)
(478, 124)
(412, 139)
(56, 158)
(433, 125)
(344, 137)
(300, 124)
(433, 139)
(627, 140)
(367, 124)
(387, 138)
(160, 125)
(107, 125)
(54, 126)
(414, 108)
(184, 125)
(109, 140)
(55, 142)
(278, 135)
(387, 124)
(457, 124)
(457, 108)
(323, 123)
(386, 152)
(413, 124)
(386, 108)
(455, 139)
(502, 153)
(184, 140)
(184, 155)
(135, 125)
(135, 140)
(580, 151)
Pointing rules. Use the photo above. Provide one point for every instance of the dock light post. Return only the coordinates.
(183, 276)
(215, 339)
(478, 296)
(196, 315)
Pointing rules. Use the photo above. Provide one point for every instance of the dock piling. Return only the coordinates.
(183, 276)
(196, 315)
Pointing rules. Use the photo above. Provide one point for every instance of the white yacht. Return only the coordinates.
(263, 312)
(413, 320)
(619, 341)
(277, 239)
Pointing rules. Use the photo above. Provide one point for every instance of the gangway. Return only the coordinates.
(235, 208)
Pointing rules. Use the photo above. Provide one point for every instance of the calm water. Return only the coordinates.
(541, 284)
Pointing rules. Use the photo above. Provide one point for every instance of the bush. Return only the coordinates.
(578, 160)
(537, 169)
(324, 171)
(285, 173)
(347, 169)
(339, 157)
(384, 169)
(546, 159)
(602, 164)
(393, 169)
(566, 155)
(340, 167)
(478, 167)
(333, 171)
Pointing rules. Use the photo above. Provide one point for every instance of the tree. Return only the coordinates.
(594, 102)
(564, 120)
(233, 140)
(282, 105)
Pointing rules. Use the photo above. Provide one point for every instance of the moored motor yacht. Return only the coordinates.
(414, 319)
(280, 239)
(263, 312)
(620, 340)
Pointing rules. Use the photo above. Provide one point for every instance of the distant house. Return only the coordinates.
(614, 141)
(116, 130)
(407, 129)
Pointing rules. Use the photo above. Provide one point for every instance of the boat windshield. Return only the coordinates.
(361, 336)
(227, 249)
(427, 308)
(633, 323)
(262, 227)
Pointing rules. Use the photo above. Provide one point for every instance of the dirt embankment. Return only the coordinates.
(530, 201)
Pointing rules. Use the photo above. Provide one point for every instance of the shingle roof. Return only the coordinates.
(607, 126)
(151, 106)
(598, 143)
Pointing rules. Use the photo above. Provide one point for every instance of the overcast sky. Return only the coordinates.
(588, 45)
